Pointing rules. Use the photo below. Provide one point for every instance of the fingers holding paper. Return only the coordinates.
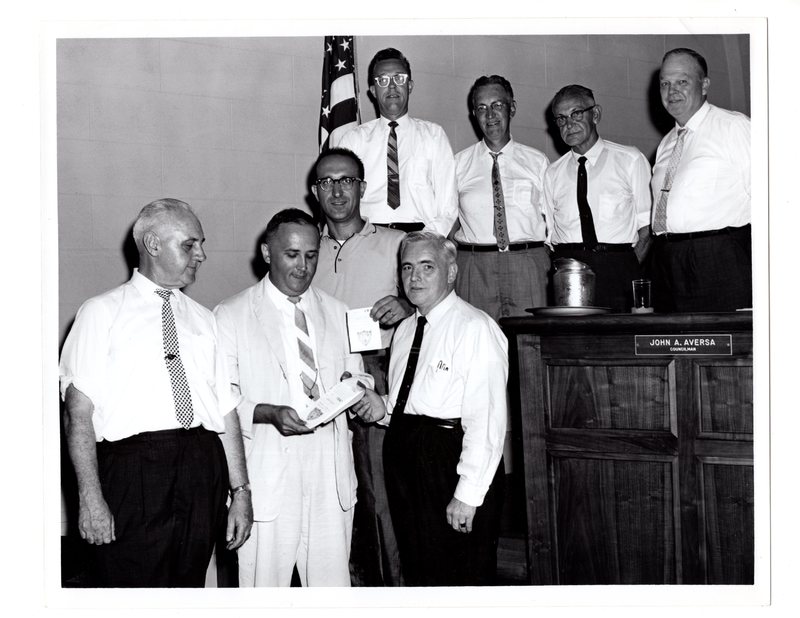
(370, 408)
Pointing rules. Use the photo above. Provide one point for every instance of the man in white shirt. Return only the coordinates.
(597, 200)
(147, 401)
(285, 344)
(702, 258)
(447, 422)
(502, 263)
(410, 171)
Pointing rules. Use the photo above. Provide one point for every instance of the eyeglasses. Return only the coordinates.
(574, 116)
(497, 107)
(346, 182)
(399, 79)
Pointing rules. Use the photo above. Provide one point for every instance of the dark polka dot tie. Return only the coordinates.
(172, 357)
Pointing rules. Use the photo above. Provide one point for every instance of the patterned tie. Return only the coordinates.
(172, 357)
(660, 215)
(500, 229)
(587, 221)
(411, 366)
(308, 369)
(392, 169)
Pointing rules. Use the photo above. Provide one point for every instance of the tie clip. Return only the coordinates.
(170, 357)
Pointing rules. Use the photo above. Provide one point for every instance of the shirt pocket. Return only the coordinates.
(613, 207)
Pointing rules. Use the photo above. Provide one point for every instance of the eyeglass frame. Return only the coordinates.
(345, 182)
(392, 79)
(497, 107)
(575, 115)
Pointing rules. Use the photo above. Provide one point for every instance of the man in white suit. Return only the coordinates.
(303, 481)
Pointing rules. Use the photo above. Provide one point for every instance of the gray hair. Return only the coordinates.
(444, 245)
(154, 214)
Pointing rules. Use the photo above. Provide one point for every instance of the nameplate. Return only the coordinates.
(683, 345)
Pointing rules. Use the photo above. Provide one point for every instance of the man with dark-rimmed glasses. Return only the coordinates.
(597, 199)
(410, 171)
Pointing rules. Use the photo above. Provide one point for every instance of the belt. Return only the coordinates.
(521, 246)
(430, 421)
(411, 226)
(158, 436)
(670, 237)
(601, 247)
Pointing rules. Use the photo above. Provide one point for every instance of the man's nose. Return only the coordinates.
(337, 188)
(200, 254)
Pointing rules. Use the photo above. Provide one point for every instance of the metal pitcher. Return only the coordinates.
(573, 283)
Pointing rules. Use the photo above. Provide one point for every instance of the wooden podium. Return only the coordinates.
(637, 438)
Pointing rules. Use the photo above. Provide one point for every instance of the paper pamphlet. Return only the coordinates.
(363, 332)
(332, 402)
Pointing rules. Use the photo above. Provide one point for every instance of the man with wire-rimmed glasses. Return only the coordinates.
(285, 343)
(358, 265)
(410, 171)
(597, 199)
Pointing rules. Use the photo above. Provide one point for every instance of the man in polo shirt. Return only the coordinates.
(358, 265)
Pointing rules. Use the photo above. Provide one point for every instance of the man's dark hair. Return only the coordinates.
(490, 80)
(288, 215)
(390, 53)
(685, 51)
(341, 152)
(572, 91)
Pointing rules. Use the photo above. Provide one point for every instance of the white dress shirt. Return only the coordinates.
(461, 373)
(711, 186)
(114, 355)
(618, 192)
(297, 393)
(427, 172)
(521, 174)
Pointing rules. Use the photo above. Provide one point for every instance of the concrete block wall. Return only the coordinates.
(230, 126)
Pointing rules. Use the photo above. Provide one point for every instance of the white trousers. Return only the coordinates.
(311, 530)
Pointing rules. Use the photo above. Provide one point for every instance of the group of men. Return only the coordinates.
(184, 425)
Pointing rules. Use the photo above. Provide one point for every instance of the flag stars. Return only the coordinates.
(345, 45)
(341, 65)
(326, 111)
(330, 48)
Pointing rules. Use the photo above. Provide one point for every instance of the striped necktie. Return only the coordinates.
(308, 369)
(500, 229)
(172, 357)
(660, 214)
(392, 169)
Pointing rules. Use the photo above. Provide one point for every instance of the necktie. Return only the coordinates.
(308, 369)
(587, 222)
(392, 169)
(660, 215)
(411, 366)
(500, 230)
(172, 357)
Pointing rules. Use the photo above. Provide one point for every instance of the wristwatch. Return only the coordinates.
(236, 490)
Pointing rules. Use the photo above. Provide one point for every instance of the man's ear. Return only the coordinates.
(372, 92)
(314, 191)
(452, 272)
(151, 243)
(705, 85)
(512, 109)
(265, 252)
(597, 114)
(410, 85)
(363, 187)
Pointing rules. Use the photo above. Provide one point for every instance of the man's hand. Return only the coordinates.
(240, 520)
(284, 418)
(460, 515)
(95, 521)
(390, 310)
(370, 408)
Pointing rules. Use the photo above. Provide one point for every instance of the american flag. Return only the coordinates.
(339, 109)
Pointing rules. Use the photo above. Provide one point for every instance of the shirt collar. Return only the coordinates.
(368, 229)
(439, 311)
(400, 121)
(280, 299)
(696, 119)
(593, 154)
(147, 287)
(485, 149)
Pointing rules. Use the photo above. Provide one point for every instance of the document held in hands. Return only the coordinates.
(363, 332)
(332, 402)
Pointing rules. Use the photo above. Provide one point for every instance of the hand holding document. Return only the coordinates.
(363, 332)
(332, 403)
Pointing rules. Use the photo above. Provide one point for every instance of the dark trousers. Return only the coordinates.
(374, 557)
(712, 273)
(613, 273)
(420, 461)
(167, 491)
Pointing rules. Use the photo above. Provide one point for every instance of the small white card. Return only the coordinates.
(332, 402)
(363, 332)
